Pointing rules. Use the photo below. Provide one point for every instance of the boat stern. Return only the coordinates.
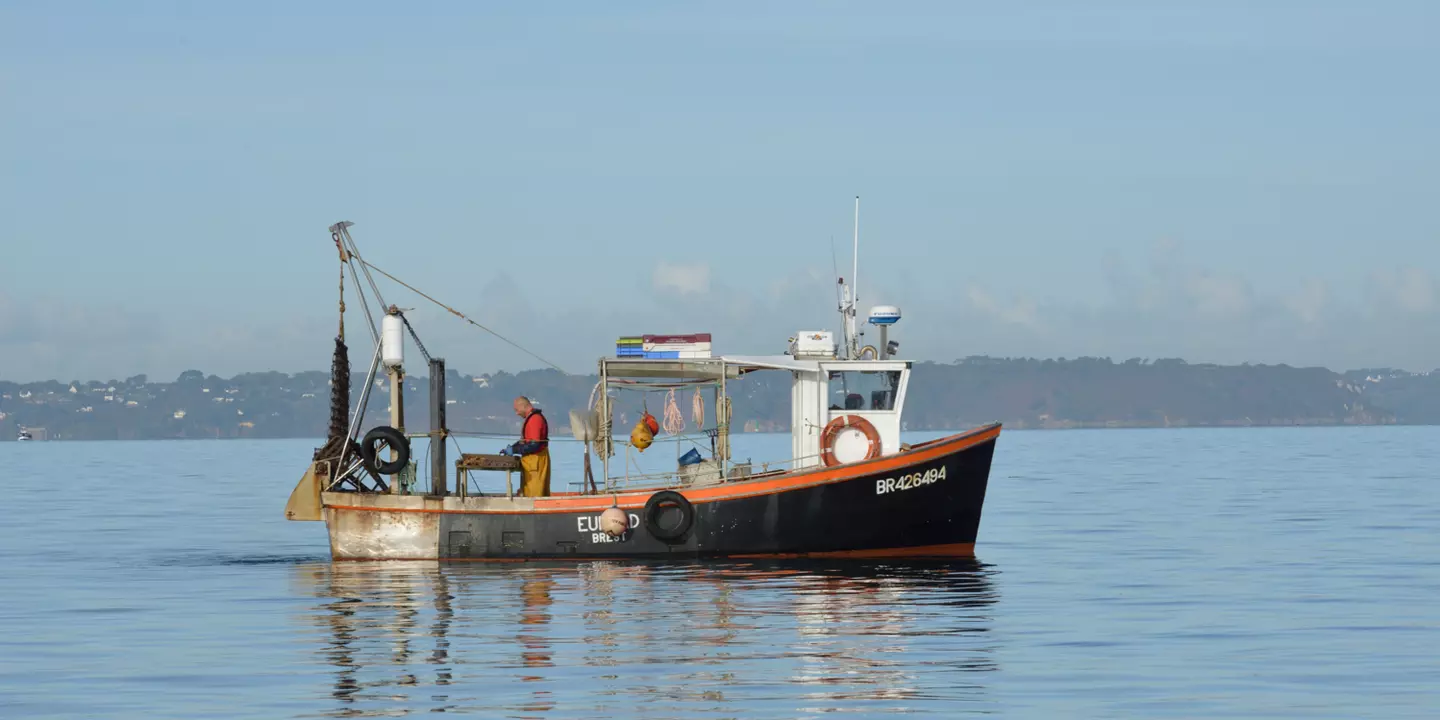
(369, 526)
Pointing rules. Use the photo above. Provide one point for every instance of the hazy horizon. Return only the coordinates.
(359, 362)
(1222, 183)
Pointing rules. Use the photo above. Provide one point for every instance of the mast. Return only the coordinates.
(392, 354)
(438, 431)
(852, 337)
(855, 265)
(850, 294)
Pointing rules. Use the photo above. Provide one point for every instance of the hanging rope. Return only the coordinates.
(457, 313)
(697, 409)
(594, 395)
(602, 430)
(341, 336)
(722, 420)
(674, 421)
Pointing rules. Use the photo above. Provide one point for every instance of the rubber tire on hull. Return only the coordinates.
(370, 450)
(656, 503)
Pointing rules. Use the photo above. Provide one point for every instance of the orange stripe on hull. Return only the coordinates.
(952, 550)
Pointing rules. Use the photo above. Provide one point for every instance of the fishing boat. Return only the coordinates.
(25, 436)
(851, 487)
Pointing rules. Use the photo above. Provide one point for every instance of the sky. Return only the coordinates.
(1219, 181)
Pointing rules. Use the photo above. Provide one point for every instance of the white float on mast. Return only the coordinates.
(392, 355)
(392, 339)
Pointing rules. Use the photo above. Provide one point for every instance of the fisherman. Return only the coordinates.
(533, 449)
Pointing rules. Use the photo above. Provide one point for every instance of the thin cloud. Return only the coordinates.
(692, 279)
(1162, 307)
(1409, 290)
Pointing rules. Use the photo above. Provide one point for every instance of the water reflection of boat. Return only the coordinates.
(536, 653)
(375, 617)
(851, 627)
(495, 641)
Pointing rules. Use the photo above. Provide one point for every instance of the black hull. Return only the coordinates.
(923, 503)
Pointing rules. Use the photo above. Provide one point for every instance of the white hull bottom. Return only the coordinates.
(381, 535)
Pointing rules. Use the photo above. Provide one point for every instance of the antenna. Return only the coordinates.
(855, 274)
(852, 337)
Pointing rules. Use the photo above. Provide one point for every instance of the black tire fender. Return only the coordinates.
(389, 437)
(656, 503)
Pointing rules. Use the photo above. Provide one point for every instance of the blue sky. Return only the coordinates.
(1221, 181)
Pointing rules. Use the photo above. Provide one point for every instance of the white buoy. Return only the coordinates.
(392, 341)
(614, 522)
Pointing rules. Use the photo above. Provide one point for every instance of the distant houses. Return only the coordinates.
(1084, 392)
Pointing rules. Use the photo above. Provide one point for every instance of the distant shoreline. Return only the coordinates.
(1022, 393)
(567, 438)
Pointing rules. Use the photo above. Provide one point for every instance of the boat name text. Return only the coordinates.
(909, 482)
(591, 524)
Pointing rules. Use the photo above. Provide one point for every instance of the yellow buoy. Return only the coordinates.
(641, 437)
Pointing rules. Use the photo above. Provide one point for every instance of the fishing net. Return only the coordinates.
(339, 403)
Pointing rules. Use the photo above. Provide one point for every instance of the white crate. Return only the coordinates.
(814, 343)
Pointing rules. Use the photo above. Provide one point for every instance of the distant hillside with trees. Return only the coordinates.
(1021, 392)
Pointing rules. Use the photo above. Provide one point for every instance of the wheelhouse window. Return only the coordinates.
(861, 390)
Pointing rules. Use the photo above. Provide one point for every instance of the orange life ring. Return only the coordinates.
(832, 431)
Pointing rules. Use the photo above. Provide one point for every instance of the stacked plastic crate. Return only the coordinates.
(630, 346)
(665, 347)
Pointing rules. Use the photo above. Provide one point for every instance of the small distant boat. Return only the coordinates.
(24, 436)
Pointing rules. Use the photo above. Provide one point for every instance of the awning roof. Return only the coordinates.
(702, 369)
(774, 362)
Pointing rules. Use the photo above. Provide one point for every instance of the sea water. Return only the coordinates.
(1119, 573)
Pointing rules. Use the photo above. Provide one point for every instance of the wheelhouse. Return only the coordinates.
(824, 393)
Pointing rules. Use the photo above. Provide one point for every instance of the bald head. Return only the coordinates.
(522, 406)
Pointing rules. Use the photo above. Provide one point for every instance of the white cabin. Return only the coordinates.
(874, 390)
(821, 390)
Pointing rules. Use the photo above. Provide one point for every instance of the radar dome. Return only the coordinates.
(884, 315)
